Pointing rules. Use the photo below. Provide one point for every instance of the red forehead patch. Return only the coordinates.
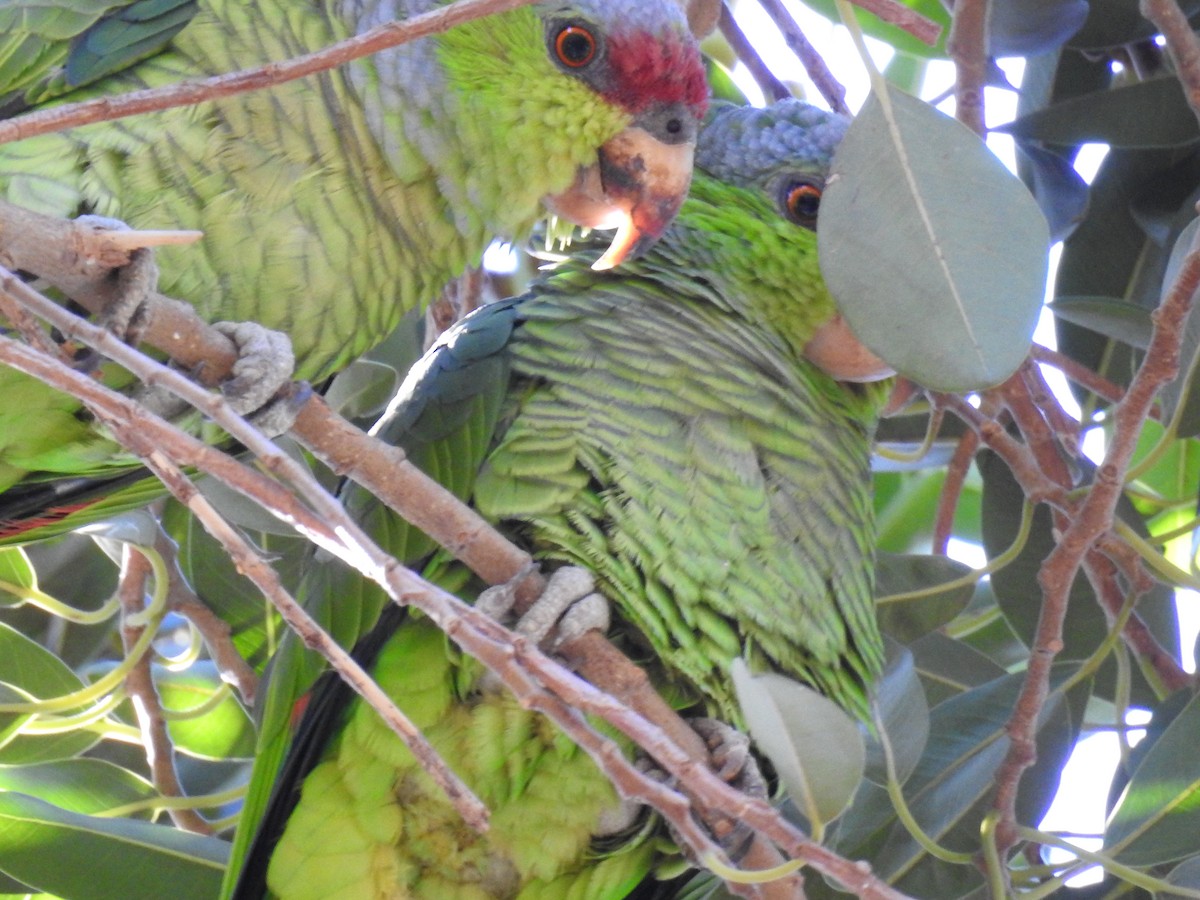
(646, 69)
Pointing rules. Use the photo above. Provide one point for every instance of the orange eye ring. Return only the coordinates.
(575, 46)
(801, 200)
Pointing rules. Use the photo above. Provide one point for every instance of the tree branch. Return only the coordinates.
(328, 525)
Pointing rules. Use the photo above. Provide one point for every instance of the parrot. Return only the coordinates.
(659, 427)
(331, 205)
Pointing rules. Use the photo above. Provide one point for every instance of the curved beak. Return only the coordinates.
(637, 187)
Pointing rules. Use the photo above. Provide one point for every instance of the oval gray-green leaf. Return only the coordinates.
(1151, 113)
(363, 389)
(1113, 318)
(16, 570)
(223, 731)
(935, 253)
(36, 672)
(1157, 816)
(903, 714)
(1184, 875)
(908, 618)
(816, 748)
(79, 785)
(72, 855)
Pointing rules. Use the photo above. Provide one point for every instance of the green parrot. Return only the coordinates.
(332, 205)
(659, 427)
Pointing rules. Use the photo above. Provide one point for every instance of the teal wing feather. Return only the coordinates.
(48, 46)
(125, 36)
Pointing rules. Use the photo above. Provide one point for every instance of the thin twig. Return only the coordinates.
(139, 684)
(956, 478)
(896, 13)
(772, 88)
(213, 630)
(1094, 518)
(967, 46)
(391, 34)
(814, 65)
(328, 525)
(1082, 375)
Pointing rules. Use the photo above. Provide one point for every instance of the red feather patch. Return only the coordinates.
(13, 527)
(647, 69)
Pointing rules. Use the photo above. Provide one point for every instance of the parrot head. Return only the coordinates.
(599, 100)
(641, 59)
(775, 161)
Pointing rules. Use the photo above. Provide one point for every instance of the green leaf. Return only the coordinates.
(362, 389)
(948, 667)
(900, 248)
(1184, 875)
(1138, 200)
(1112, 23)
(78, 785)
(1031, 27)
(74, 855)
(1152, 113)
(816, 748)
(15, 569)
(1020, 594)
(1115, 319)
(224, 731)
(37, 672)
(951, 788)
(906, 619)
(1157, 816)
(904, 714)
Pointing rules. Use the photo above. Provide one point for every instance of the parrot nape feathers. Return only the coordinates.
(334, 204)
(658, 426)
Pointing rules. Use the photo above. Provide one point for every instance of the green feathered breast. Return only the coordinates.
(331, 205)
(661, 428)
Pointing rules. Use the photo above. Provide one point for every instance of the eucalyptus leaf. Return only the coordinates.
(1113, 254)
(1030, 27)
(1184, 875)
(903, 714)
(816, 748)
(15, 570)
(907, 618)
(74, 855)
(1150, 113)
(902, 245)
(950, 790)
(36, 672)
(222, 732)
(947, 666)
(138, 528)
(1113, 318)
(1020, 593)
(1158, 815)
(1113, 23)
(1060, 191)
(362, 389)
(79, 785)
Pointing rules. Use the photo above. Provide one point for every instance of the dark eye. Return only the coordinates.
(801, 199)
(575, 46)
